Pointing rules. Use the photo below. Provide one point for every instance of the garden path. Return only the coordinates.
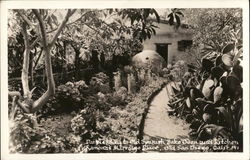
(159, 124)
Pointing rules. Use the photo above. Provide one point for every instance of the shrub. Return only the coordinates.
(114, 116)
(68, 97)
(26, 136)
(125, 121)
(100, 83)
(21, 132)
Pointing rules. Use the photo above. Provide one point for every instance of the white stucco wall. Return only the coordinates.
(167, 34)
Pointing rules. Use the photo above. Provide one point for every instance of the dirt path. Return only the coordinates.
(158, 124)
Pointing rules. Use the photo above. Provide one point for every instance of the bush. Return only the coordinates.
(113, 116)
(100, 83)
(68, 97)
(26, 136)
(84, 123)
(125, 121)
(21, 132)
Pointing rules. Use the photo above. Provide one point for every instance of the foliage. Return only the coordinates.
(210, 97)
(73, 96)
(16, 19)
(210, 94)
(84, 124)
(174, 17)
(68, 97)
(28, 137)
(13, 26)
(32, 134)
(127, 120)
(100, 83)
(177, 70)
(214, 28)
(141, 23)
(21, 132)
(102, 117)
(121, 94)
(109, 32)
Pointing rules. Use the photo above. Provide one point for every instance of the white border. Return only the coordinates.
(123, 4)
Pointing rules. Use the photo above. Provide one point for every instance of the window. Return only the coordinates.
(184, 44)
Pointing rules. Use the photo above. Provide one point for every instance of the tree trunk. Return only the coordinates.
(50, 82)
(48, 66)
(28, 105)
(31, 70)
(44, 77)
(25, 70)
(77, 61)
(65, 66)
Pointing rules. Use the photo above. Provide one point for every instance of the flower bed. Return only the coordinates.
(122, 123)
(88, 118)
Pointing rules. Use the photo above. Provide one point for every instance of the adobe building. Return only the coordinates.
(169, 42)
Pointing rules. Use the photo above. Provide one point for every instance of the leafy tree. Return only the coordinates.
(141, 19)
(37, 24)
(174, 17)
(41, 37)
(108, 33)
(214, 28)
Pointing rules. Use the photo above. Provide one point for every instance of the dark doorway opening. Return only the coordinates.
(162, 49)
